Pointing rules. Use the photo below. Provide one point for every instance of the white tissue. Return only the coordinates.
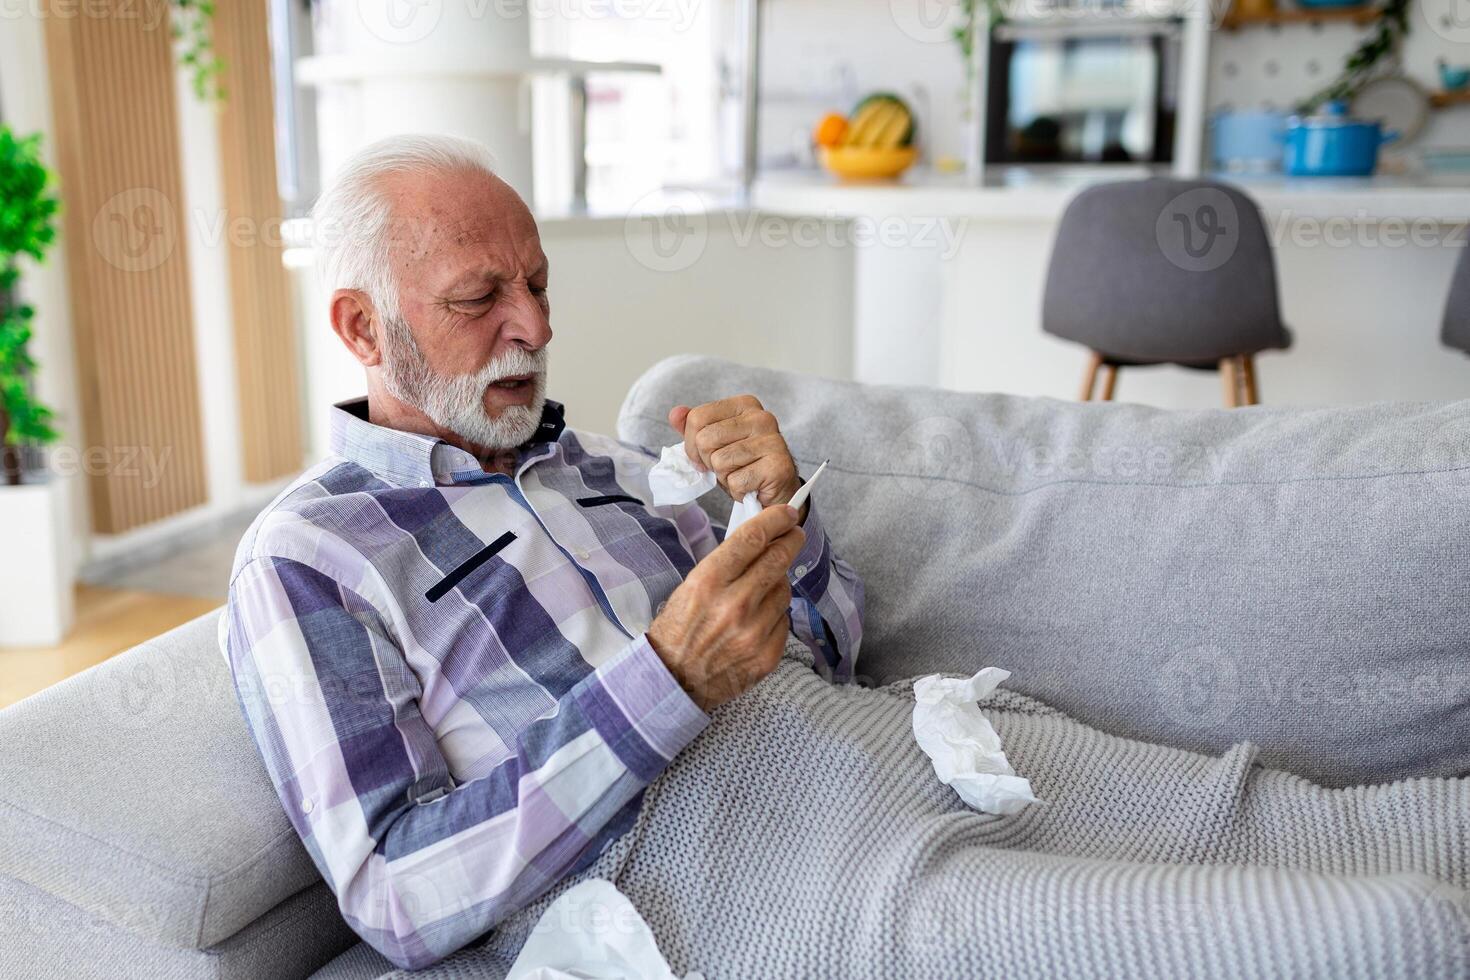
(675, 480)
(592, 932)
(963, 746)
(742, 511)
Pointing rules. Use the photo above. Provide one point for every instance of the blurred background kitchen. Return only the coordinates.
(871, 189)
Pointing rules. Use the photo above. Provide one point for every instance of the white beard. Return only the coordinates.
(456, 402)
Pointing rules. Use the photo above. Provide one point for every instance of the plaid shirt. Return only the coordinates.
(447, 674)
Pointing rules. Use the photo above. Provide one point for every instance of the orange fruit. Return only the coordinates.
(830, 130)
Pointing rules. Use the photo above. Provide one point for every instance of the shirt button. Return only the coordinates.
(583, 556)
(306, 805)
(800, 570)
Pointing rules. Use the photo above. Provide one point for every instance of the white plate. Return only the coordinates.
(1397, 102)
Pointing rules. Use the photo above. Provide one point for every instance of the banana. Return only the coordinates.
(880, 122)
(896, 129)
(866, 124)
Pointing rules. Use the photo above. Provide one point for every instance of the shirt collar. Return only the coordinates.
(411, 459)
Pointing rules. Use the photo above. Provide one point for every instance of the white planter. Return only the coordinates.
(36, 607)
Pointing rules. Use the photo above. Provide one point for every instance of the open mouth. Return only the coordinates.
(514, 389)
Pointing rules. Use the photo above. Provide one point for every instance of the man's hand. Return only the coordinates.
(740, 441)
(724, 627)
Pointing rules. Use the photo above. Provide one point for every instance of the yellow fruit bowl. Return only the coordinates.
(868, 163)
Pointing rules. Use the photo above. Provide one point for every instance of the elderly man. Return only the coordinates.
(467, 641)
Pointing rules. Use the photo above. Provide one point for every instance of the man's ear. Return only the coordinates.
(352, 321)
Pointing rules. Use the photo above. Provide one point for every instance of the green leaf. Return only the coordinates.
(28, 209)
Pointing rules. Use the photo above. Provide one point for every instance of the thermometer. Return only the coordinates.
(799, 498)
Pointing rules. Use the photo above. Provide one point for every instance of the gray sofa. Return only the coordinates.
(1293, 577)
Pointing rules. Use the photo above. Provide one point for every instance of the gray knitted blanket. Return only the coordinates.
(805, 835)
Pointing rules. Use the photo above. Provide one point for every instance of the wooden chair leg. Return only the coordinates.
(1231, 382)
(1089, 380)
(1110, 382)
(1248, 379)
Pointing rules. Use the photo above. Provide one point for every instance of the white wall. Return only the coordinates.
(618, 307)
(745, 298)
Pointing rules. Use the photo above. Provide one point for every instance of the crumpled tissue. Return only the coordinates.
(675, 480)
(962, 744)
(592, 932)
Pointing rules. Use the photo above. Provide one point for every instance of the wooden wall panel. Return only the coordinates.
(117, 138)
(266, 352)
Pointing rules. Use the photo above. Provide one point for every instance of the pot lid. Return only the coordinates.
(1332, 114)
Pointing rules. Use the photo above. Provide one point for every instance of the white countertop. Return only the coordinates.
(1040, 193)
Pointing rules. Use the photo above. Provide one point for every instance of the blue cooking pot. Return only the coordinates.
(1333, 144)
(1248, 141)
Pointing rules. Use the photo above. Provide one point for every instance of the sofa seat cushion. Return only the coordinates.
(1295, 577)
(133, 792)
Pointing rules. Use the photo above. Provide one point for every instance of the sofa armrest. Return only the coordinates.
(133, 792)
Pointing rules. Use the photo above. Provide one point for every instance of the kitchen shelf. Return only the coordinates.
(1361, 16)
(1441, 99)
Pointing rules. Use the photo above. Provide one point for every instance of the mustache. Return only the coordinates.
(515, 362)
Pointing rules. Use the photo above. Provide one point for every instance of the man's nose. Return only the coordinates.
(527, 322)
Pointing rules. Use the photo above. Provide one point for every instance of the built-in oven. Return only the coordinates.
(1082, 90)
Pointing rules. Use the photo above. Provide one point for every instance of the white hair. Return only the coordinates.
(352, 219)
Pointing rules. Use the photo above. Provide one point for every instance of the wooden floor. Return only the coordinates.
(109, 621)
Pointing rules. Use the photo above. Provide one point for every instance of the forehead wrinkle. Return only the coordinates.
(436, 230)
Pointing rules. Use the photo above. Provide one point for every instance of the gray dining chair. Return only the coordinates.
(1456, 329)
(1165, 271)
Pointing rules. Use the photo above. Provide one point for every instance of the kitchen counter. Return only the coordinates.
(1041, 193)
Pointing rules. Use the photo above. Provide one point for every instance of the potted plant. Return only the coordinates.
(35, 574)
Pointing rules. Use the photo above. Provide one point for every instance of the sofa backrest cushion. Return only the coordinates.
(1295, 577)
(133, 791)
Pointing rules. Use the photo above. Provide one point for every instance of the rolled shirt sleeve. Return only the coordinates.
(421, 865)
